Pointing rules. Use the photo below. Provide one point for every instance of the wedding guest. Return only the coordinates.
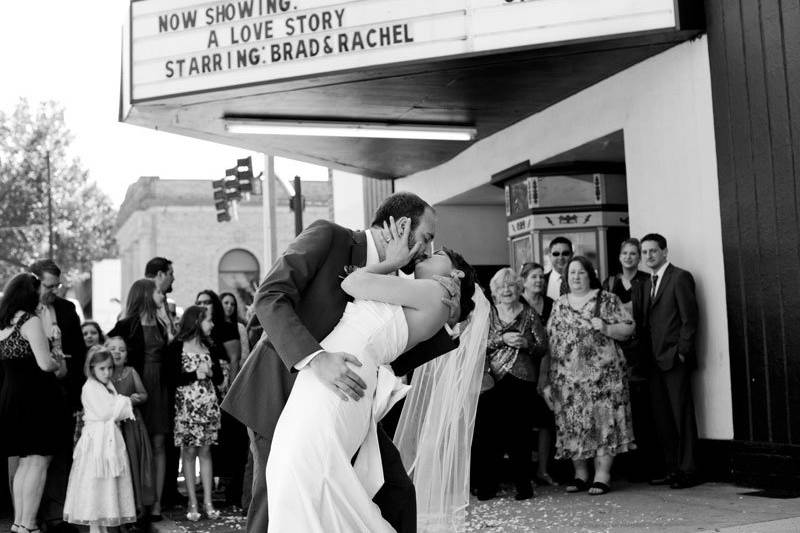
(29, 397)
(671, 324)
(63, 326)
(231, 308)
(533, 293)
(128, 383)
(560, 252)
(230, 454)
(195, 371)
(146, 337)
(92, 334)
(100, 493)
(587, 377)
(645, 462)
(515, 346)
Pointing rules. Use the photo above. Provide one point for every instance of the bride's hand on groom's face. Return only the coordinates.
(397, 252)
(333, 370)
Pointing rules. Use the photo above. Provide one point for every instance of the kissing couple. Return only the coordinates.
(339, 330)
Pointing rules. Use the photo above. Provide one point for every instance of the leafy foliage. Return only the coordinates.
(83, 217)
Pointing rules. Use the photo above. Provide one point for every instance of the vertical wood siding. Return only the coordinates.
(754, 48)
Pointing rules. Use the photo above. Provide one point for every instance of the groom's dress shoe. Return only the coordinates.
(684, 481)
(666, 480)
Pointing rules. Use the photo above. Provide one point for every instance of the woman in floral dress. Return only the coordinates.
(588, 384)
(197, 416)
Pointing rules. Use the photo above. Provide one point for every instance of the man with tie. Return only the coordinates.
(671, 318)
(560, 251)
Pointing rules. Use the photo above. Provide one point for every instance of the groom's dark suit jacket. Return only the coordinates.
(298, 304)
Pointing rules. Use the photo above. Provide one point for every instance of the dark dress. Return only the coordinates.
(137, 443)
(157, 409)
(230, 453)
(32, 409)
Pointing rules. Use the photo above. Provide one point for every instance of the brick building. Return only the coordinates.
(176, 219)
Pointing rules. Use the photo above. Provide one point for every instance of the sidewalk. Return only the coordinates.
(629, 508)
(718, 507)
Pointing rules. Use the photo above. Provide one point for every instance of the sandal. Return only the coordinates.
(26, 529)
(192, 515)
(600, 487)
(14, 528)
(211, 513)
(577, 485)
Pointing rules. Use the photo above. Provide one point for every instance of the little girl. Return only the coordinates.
(137, 441)
(99, 493)
(197, 415)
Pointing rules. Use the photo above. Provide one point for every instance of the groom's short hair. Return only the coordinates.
(401, 204)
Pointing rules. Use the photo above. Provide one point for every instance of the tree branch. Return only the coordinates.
(12, 262)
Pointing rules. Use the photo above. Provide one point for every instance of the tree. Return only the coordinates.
(83, 217)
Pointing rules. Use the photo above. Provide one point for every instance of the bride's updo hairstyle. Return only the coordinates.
(467, 282)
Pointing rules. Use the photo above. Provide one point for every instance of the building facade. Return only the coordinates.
(696, 103)
(176, 219)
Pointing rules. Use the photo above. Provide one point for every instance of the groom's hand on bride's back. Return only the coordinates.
(333, 370)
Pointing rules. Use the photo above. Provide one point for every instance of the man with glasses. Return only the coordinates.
(63, 327)
(560, 251)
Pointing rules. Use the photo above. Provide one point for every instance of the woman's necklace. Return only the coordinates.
(117, 378)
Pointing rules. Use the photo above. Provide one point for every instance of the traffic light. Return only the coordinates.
(221, 201)
(232, 191)
(244, 175)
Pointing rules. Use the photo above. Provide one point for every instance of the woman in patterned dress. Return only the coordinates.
(588, 385)
(195, 372)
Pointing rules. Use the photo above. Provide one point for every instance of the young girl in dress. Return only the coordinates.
(99, 493)
(196, 369)
(137, 441)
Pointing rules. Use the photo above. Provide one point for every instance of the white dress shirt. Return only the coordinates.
(554, 285)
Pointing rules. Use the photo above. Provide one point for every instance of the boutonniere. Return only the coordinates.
(348, 269)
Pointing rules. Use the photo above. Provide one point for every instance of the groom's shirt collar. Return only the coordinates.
(372, 250)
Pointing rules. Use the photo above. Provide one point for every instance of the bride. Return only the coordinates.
(313, 485)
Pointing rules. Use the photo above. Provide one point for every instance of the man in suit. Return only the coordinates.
(63, 328)
(298, 304)
(671, 320)
(555, 281)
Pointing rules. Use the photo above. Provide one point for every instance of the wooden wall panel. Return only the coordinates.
(755, 71)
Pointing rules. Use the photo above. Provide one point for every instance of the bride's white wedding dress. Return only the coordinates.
(312, 486)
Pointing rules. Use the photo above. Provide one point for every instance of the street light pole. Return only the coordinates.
(49, 209)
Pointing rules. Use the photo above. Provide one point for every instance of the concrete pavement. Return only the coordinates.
(718, 507)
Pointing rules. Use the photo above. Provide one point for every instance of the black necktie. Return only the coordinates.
(653, 284)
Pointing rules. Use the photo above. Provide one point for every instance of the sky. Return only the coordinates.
(70, 52)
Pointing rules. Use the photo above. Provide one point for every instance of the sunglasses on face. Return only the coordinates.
(559, 254)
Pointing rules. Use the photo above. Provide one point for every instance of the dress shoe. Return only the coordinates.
(684, 481)
(524, 492)
(666, 480)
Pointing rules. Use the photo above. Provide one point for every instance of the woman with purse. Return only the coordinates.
(505, 416)
(587, 385)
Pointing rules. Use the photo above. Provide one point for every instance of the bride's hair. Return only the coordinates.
(467, 282)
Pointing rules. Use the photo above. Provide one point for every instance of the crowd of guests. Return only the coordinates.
(101, 420)
(576, 370)
(603, 367)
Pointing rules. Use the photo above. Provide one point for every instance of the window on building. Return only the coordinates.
(239, 274)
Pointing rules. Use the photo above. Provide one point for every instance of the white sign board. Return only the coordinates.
(187, 46)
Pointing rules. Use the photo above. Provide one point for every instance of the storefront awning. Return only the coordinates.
(193, 67)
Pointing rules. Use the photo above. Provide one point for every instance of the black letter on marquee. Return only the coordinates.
(212, 38)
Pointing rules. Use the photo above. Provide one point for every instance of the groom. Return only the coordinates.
(299, 303)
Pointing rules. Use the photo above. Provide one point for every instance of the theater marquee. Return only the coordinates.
(187, 46)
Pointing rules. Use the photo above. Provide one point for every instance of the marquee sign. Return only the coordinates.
(187, 46)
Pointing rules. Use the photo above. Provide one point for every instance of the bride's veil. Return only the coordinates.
(434, 434)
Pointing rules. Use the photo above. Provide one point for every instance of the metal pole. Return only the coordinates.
(298, 206)
(49, 209)
(268, 212)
